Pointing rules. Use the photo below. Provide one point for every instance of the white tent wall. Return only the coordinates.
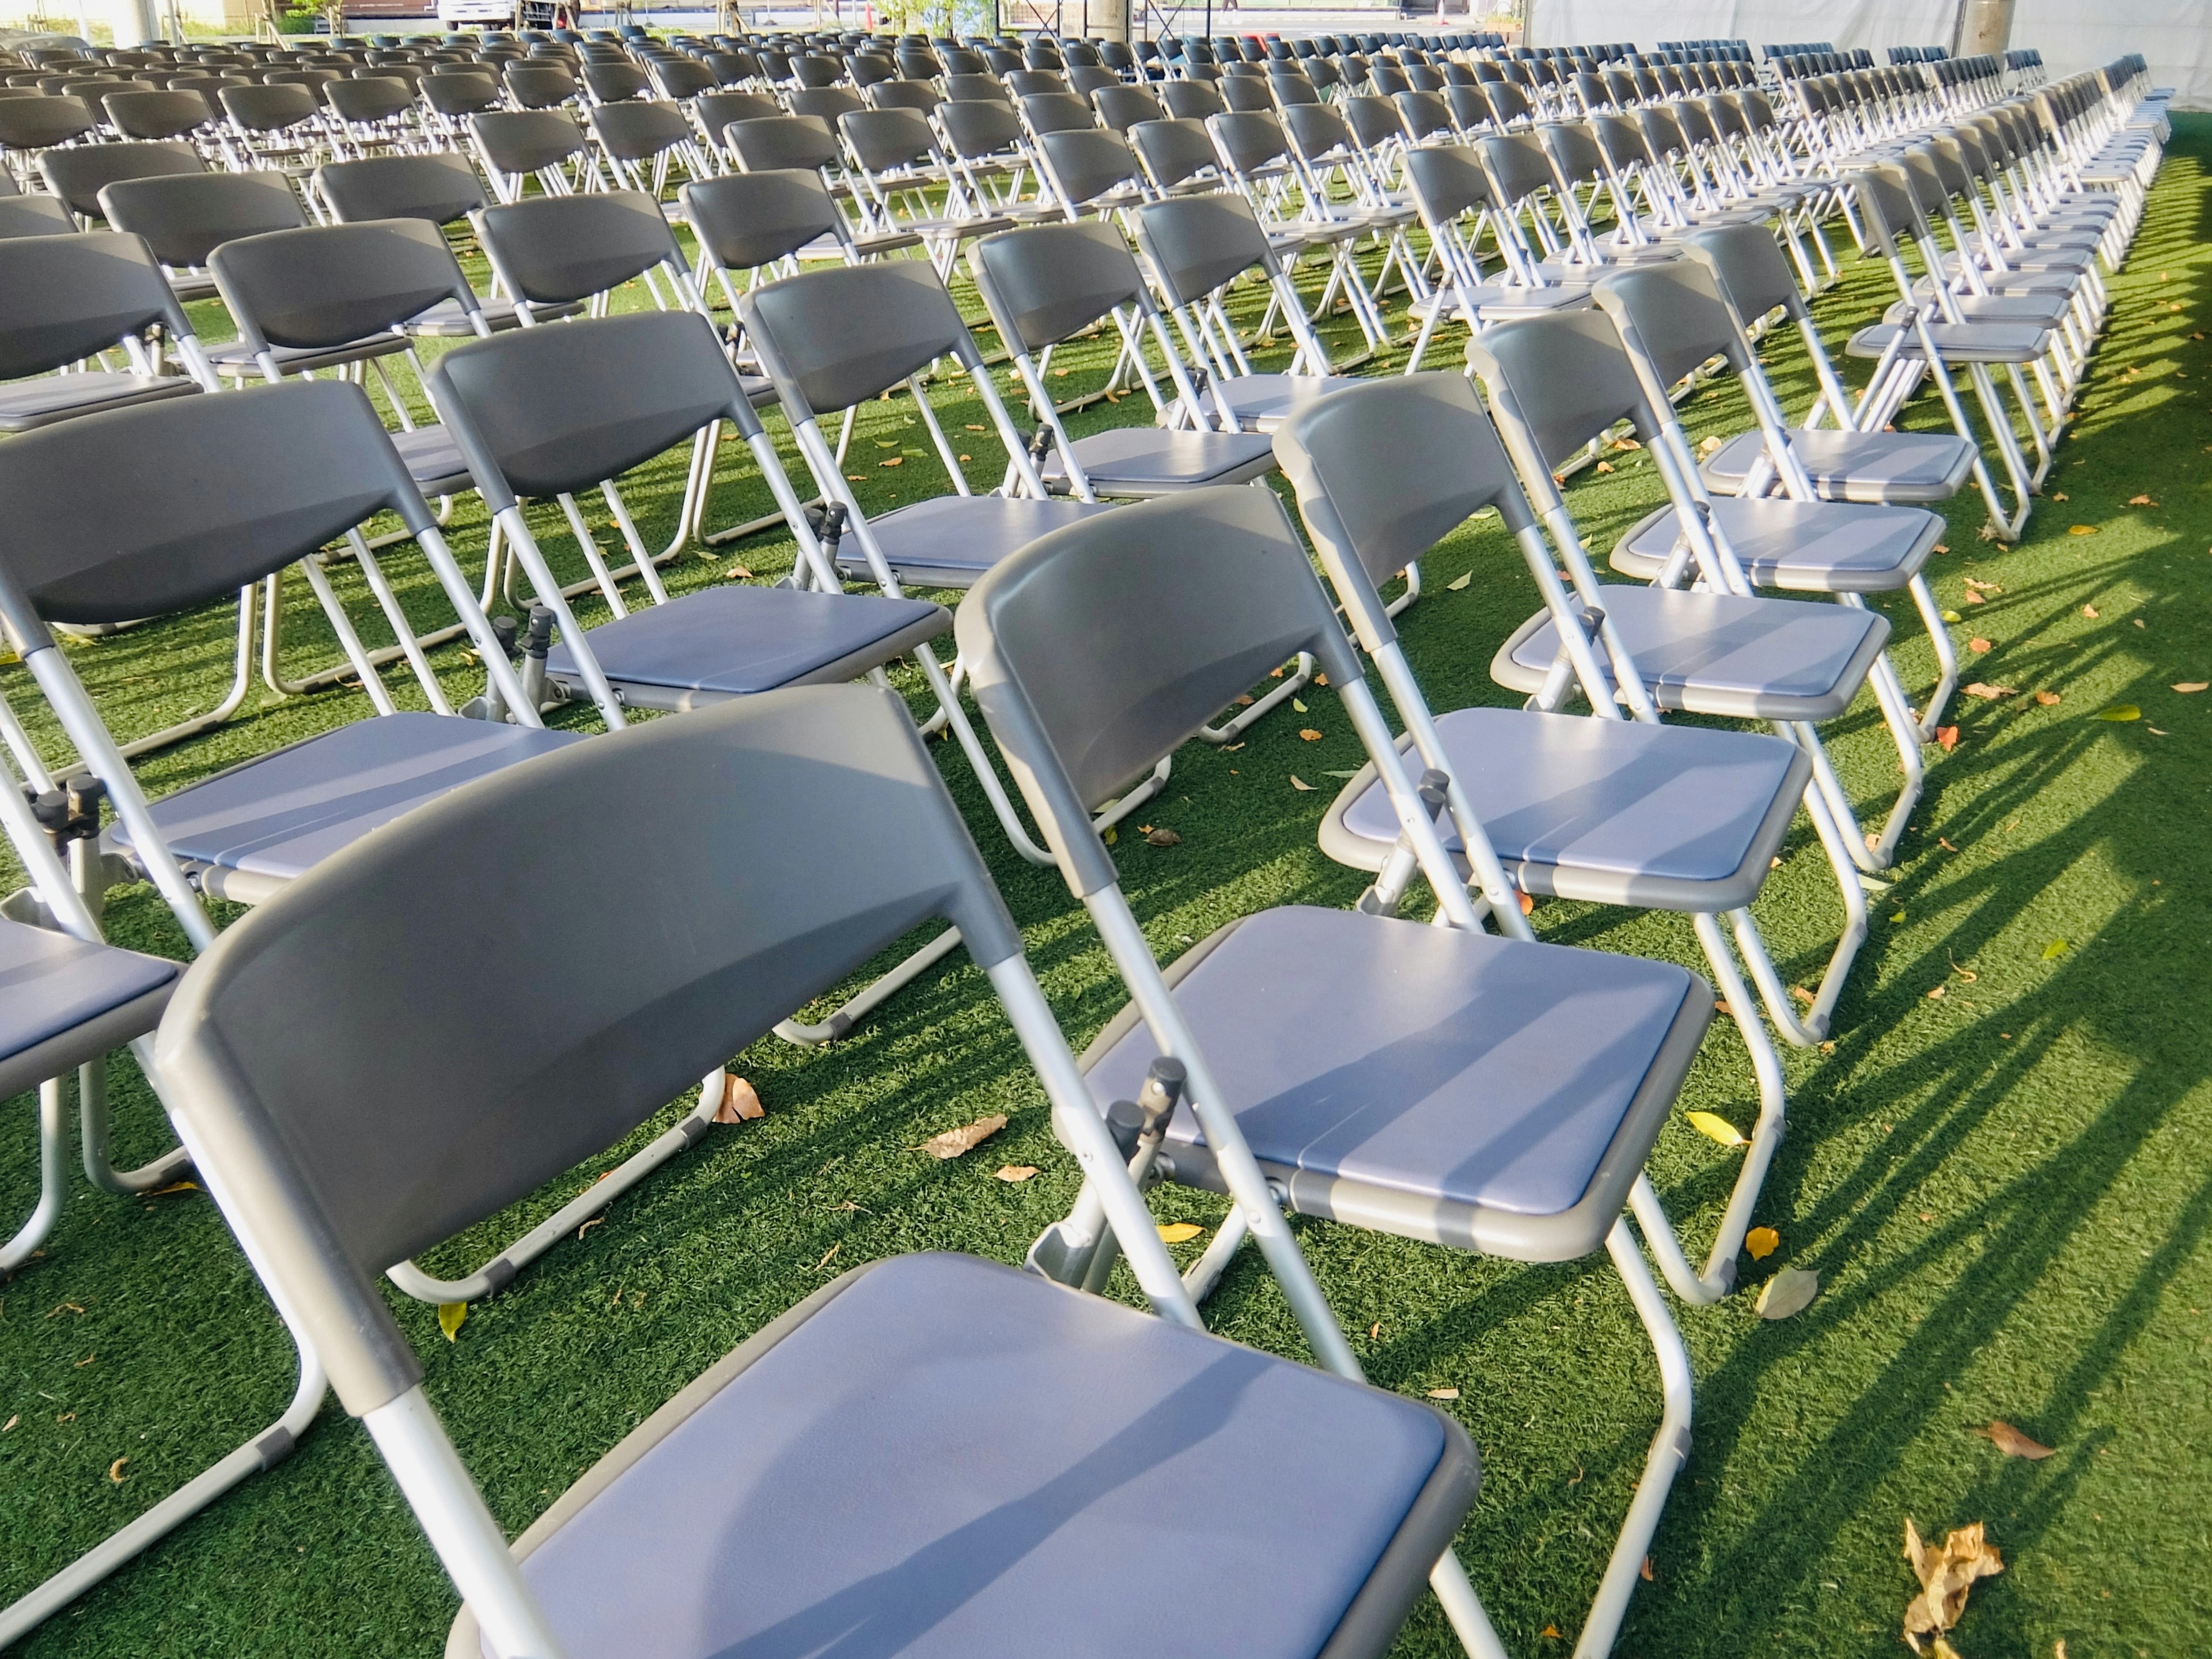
(2174, 35)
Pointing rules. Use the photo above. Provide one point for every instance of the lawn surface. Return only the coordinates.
(2005, 1189)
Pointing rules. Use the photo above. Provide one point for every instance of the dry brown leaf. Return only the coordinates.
(1944, 842)
(1604, 466)
(1948, 736)
(2140, 501)
(1935, 994)
(895, 460)
(953, 1142)
(1299, 783)
(1527, 904)
(1942, 547)
(1802, 994)
(1709, 446)
(740, 573)
(1989, 693)
(1309, 734)
(2090, 612)
(2187, 687)
(2048, 699)
(1626, 443)
(1788, 1293)
(1552, 1631)
(1645, 1571)
(1973, 598)
(1945, 1575)
(976, 427)
(1178, 1232)
(11, 1422)
(588, 1225)
(2012, 1443)
(1162, 837)
(1982, 587)
(2059, 495)
(115, 1471)
(1978, 646)
(1444, 1394)
(1013, 1173)
(1762, 1241)
(826, 1255)
(740, 1101)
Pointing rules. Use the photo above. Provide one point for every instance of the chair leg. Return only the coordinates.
(1293, 682)
(53, 1179)
(1947, 657)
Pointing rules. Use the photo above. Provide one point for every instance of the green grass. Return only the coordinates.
(2006, 1191)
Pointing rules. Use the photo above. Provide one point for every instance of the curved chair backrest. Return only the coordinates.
(881, 139)
(1056, 111)
(917, 95)
(1555, 382)
(780, 142)
(826, 103)
(1047, 282)
(1672, 313)
(540, 86)
(966, 88)
(1100, 648)
(1249, 140)
(716, 110)
(1574, 150)
(456, 95)
(1424, 115)
(555, 250)
(1748, 266)
(517, 1064)
(327, 285)
(1195, 244)
(1190, 100)
(1122, 108)
(1036, 83)
(680, 78)
(441, 188)
(978, 127)
(156, 115)
(36, 123)
(743, 221)
(539, 412)
(1174, 151)
(368, 101)
(187, 217)
(78, 174)
(249, 482)
(1246, 93)
(34, 215)
(1470, 107)
(525, 140)
(638, 130)
(1518, 165)
(65, 296)
(611, 83)
(1085, 166)
(832, 338)
(1447, 180)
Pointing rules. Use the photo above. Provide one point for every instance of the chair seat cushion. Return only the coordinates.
(1957, 342)
(950, 541)
(1261, 402)
(734, 641)
(1857, 466)
(64, 1002)
(1480, 1092)
(1678, 818)
(2042, 310)
(1145, 460)
(26, 405)
(234, 359)
(446, 320)
(939, 1457)
(275, 817)
(1497, 302)
(434, 461)
(1719, 653)
(1804, 547)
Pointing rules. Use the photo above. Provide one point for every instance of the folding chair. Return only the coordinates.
(827, 1440)
(517, 145)
(68, 297)
(77, 174)
(642, 141)
(1452, 194)
(1673, 321)
(33, 215)
(1557, 384)
(1605, 809)
(185, 217)
(1438, 1083)
(897, 169)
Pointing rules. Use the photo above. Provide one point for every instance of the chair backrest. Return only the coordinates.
(187, 217)
(832, 338)
(1056, 111)
(553, 250)
(611, 82)
(917, 95)
(77, 174)
(1174, 152)
(1085, 166)
(553, 1029)
(326, 285)
(451, 95)
(1518, 165)
(745, 220)
(1190, 100)
(34, 215)
(1447, 181)
(540, 86)
(1423, 114)
(1574, 150)
(525, 140)
(35, 123)
(826, 103)
(248, 482)
(716, 110)
(968, 88)
(65, 296)
(880, 139)
(1889, 214)
(1387, 469)
(1748, 266)
(680, 78)
(369, 101)
(1249, 140)
(1036, 83)
(440, 187)
(1555, 382)
(1122, 108)
(1048, 283)
(540, 412)
(1195, 244)
(638, 130)
(775, 144)
(1673, 315)
(156, 115)
(1104, 647)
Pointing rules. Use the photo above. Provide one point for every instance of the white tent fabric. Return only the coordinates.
(2174, 35)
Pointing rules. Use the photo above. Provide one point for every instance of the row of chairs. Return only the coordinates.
(1079, 716)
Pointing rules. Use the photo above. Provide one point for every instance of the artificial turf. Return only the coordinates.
(2005, 1189)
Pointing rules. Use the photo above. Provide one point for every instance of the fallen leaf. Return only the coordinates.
(1527, 904)
(1011, 1173)
(1375, 1330)
(1444, 1394)
(1952, 616)
(1978, 646)
(826, 1255)
(1945, 1575)
(967, 1137)
(740, 1103)
(2081, 530)
(1061, 373)
(1944, 842)
(11, 1422)
(2187, 687)
(1788, 1293)
(1965, 974)
(1645, 1571)
(974, 426)
(115, 1471)
(1973, 598)
(2090, 612)
(1109, 835)
(1455, 587)
(2120, 712)
(588, 1225)
(449, 1316)
(1298, 706)
(1828, 1047)
(1898, 916)
(740, 573)
(2139, 623)
(895, 460)
(1714, 1126)
(1989, 693)
(1604, 466)
(2157, 731)
(1762, 1241)
(1626, 443)
(2048, 699)
(2059, 495)
(1162, 837)
(1339, 774)
(2012, 1443)
(1179, 1232)
(1552, 1631)
(1934, 993)
(2055, 949)
(174, 1186)
(1942, 547)
(1709, 446)
(1802, 994)
(1309, 734)
(2140, 501)
(1297, 782)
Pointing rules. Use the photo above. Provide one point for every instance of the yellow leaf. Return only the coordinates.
(1179, 1232)
(1605, 466)
(1717, 1128)
(174, 1186)
(2012, 1443)
(740, 1102)
(1945, 1575)
(450, 1315)
(1109, 835)
(1297, 782)
(1953, 616)
(2120, 712)
(1455, 587)
(1444, 1394)
(115, 1471)
(1762, 1241)
(1552, 1631)
(2055, 949)
(895, 460)
(967, 1137)
(1011, 1173)
(1709, 446)
(1787, 1292)
(2090, 612)
(1298, 706)
(2048, 699)
(2081, 530)
(1936, 995)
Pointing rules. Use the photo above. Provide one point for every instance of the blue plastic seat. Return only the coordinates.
(63, 1002)
(939, 1457)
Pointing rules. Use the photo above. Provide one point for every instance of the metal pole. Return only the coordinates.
(1984, 28)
